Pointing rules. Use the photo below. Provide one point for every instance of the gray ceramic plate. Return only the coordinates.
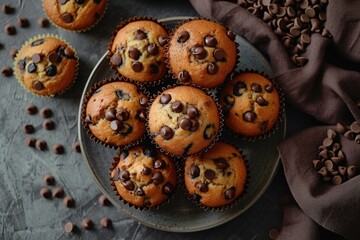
(180, 215)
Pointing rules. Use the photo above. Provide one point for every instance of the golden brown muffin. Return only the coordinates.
(46, 65)
(144, 177)
(202, 52)
(137, 50)
(115, 113)
(75, 15)
(251, 104)
(216, 177)
(184, 120)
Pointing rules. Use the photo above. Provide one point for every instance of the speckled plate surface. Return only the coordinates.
(180, 215)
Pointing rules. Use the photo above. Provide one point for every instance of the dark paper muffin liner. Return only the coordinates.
(154, 208)
(171, 34)
(86, 100)
(230, 205)
(29, 41)
(208, 92)
(81, 30)
(280, 118)
(110, 54)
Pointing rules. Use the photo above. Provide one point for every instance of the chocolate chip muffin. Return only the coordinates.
(74, 15)
(143, 177)
(184, 120)
(137, 50)
(202, 52)
(115, 113)
(251, 104)
(46, 65)
(217, 177)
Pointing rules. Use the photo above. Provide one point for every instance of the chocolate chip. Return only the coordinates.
(13, 52)
(221, 163)
(58, 148)
(31, 68)
(150, 152)
(269, 88)
(46, 112)
(249, 116)
(141, 115)
(184, 76)
(327, 142)
(239, 88)
(7, 9)
(342, 170)
(324, 154)
(49, 180)
(28, 128)
(341, 128)
(231, 35)
(162, 40)
(185, 123)
(137, 66)
(337, 160)
(202, 187)
(104, 201)
(219, 54)
(40, 145)
(352, 171)
(261, 101)
(116, 59)
(7, 71)
(54, 57)
(357, 139)
(329, 165)
(159, 164)
(69, 52)
(194, 171)
(194, 125)
(116, 125)
(48, 124)
(230, 193)
(323, 172)
(129, 185)
(139, 35)
(122, 114)
(212, 68)
(349, 135)
(157, 178)
(67, 17)
(36, 58)
(110, 114)
(331, 134)
(199, 52)
(23, 22)
(274, 234)
(51, 70)
(140, 192)
(86, 223)
(168, 188)
(336, 180)
(43, 22)
(69, 227)
(317, 164)
(153, 49)
(166, 132)
(58, 192)
(134, 53)
(30, 141)
(183, 36)
(146, 171)
(165, 98)
(45, 193)
(355, 127)
(256, 87)
(144, 101)
(336, 147)
(210, 41)
(10, 29)
(69, 202)
(177, 106)
(105, 222)
(192, 112)
(209, 174)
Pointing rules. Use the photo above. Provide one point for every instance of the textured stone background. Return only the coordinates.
(23, 214)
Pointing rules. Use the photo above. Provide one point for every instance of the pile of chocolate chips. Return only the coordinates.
(293, 21)
(331, 162)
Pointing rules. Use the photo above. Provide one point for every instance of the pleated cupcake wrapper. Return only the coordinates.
(80, 30)
(221, 120)
(230, 205)
(86, 100)
(281, 116)
(171, 34)
(110, 54)
(19, 78)
(154, 208)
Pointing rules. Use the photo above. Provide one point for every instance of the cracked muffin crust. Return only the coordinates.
(251, 104)
(115, 113)
(46, 65)
(75, 15)
(217, 177)
(202, 52)
(143, 176)
(137, 51)
(184, 120)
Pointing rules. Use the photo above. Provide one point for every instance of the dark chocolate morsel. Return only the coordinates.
(168, 188)
(202, 187)
(36, 58)
(45, 193)
(162, 41)
(144, 101)
(269, 88)
(48, 124)
(249, 116)
(256, 87)
(23, 22)
(67, 17)
(49, 180)
(194, 125)
(212, 68)
(261, 101)
(124, 175)
(69, 227)
(140, 192)
(221, 163)
(86, 223)
(58, 192)
(137, 66)
(37, 85)
(10, 29)
(192, 112)
(43, 22)
(110, 114)
(28, 128)
(31, 109)
(219, 54)
(7, 71)
(159, 164)
(230, 193)
(194, 171)
(134, 53)
(116, 59)
(146, 171)
(105, 222)
(54, 57)
(69, 202)
(51, 71)
(231, 35)
(199, 52)
(157, 178)
(184, 76)
(58, 148)
(88, 119)
(46, 112)
(153, 49)
(165, 98)
(166, 132)
(31, 68)
(177, 106)
(38, 42)
(185, 123)
(183, 36)
(150, 152)
(122, 114)
(141, 115)
(116, 125)
(129, 185)
(209, 174)
(30, 141)
(139, 35)
(210, 41)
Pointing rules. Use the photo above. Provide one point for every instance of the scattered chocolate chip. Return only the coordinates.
(349, 135)
(209, 174)
(31, 68)
(256, 88)
(139, 35)
(51, 70)
(212, 68)
(249, 116)
(192, 112)
(37, 85)
(157, 178)
(140, 192)
(230, 193)
(159, 164)
(165, 98)
(67, 17)
(327, 142)
(153, 49)
(7, 9)
(49, 180)
(28, 128)
(54, 57)
(317, 164)
(166, 132)
(141, 115)
(104, 201)
(144, 101)
(355, 127)
(36, 58)
(134, 53)
(7, 71)
(184, 76)
(128, 184)
(168, 188)
(336, 147)
(269, 88)
(45, 193)
(58, 148)
(110, 114)
(46, 112)
(86, 223)
(69, 227)
(124, 175)
(162, 41)
(137, 66)
(329, 165)
(13, 52)
(30, 141)
(202, 187)
(210, 41)
(331, 134)
(231, 35)
(199, 52)
(261, 101)
(10, 29)
(23, 22)
(219, 54)
(183, 36)
(185, 123)
(58, 192)
(122, 114)
(341, 128)
(68, 202)
(274, 233)
(351, 171)
(194, 171)
(116, 125)
(323, 172)
(48, 124)
(146, 171)
(177, 106)
(116, 59)
(43, 22)
(336, 180)
(105, 222)
(221, 163)
(194, 125)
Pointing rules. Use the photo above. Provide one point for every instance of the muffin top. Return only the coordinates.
(46, 65)
(184, 120)
(251, 104)
(143, 176)
(216, 177)
(137, 51)
(115, 113)
(202, 52)
(76, 15)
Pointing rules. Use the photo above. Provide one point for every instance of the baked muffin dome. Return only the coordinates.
(115, 113)
(202, 52)
(184, 120)
(144, 177)
(137, 50)
(46, 65)
(217, 177)
(251, 104)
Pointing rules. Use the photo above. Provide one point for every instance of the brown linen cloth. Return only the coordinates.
(328, 88)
